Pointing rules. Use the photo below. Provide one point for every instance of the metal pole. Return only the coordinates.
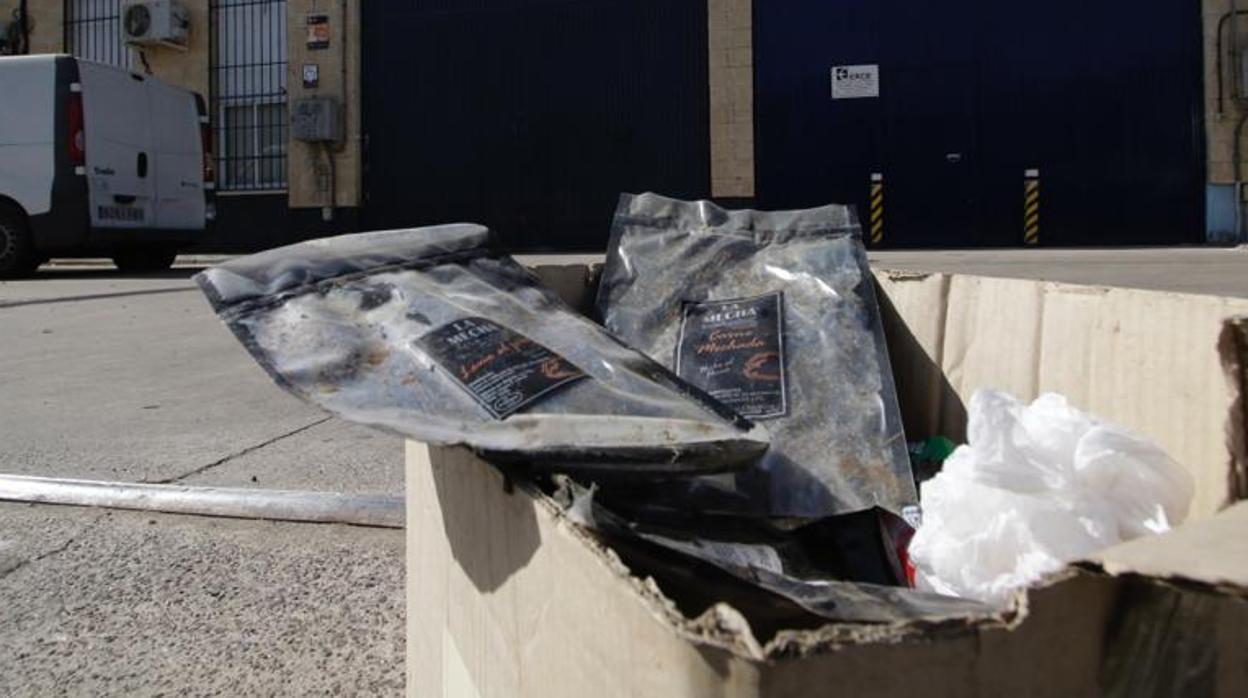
(25, 27)
(327, 213)
(1237, 167)
(346, 108)
(383, 511)
(1235, 67)
(1236, 70)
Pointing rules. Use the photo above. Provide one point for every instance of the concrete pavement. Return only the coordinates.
(113, 603)
(104, 376)
(135, 379)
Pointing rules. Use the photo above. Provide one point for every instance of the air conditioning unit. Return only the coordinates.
(155, 23)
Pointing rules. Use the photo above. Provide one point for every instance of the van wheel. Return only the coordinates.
(144, 260)
(17, 254)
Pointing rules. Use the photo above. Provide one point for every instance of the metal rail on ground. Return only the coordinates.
(379, 510)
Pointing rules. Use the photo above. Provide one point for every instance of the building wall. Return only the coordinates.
(1221, 206)
(731, 97)
(189, 68)
(1220, 127)
(46, 33)
(731, 78)
(308, 171)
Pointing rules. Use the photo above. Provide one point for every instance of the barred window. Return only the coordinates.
(93, 32)
(248, 88)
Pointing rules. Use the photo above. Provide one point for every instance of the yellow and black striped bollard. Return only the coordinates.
(877, 208)
(1031, 207)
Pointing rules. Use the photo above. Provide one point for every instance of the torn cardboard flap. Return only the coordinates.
(1212, 552)
(1179, 621)
(1233, 348)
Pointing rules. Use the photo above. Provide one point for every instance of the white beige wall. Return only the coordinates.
(731, 73)
(187, 68)
(309, 171)
(46, 31)
(1220, 128)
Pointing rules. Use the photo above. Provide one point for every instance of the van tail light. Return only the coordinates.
(205, 139)
(77, 131)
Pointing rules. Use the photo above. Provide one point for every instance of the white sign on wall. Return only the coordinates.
(855, 81)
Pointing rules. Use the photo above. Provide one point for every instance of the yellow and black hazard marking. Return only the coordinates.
(1031, 210)
(877, 211)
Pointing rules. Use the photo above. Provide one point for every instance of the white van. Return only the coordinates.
(98, 161)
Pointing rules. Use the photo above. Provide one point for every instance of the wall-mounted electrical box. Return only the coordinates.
(316, 119)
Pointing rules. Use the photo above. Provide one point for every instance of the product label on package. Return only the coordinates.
(734, 350)
(500, 369)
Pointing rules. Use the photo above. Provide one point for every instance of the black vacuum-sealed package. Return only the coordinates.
(774, 314)
(814, 567)
(426, 333)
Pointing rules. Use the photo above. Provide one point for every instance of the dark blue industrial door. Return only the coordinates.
(929, 109)
(1106, 104)
(531, 116)
(931, 162)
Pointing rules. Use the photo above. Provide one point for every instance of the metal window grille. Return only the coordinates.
(248, 90)
(93, 32)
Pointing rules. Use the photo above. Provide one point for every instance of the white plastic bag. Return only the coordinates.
(1038, 486)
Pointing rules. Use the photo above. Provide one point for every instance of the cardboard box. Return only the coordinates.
(508, 598)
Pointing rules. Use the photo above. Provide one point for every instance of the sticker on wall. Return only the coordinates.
(311, 75)
(855, 81)
(318, 31)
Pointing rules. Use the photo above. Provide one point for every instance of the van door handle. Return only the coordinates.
(142, 165)
(124, 198)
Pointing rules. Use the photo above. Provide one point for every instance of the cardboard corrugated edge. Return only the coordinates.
(1211, 554)
(1152, 361)
(1180, 626)
(1233, 348)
